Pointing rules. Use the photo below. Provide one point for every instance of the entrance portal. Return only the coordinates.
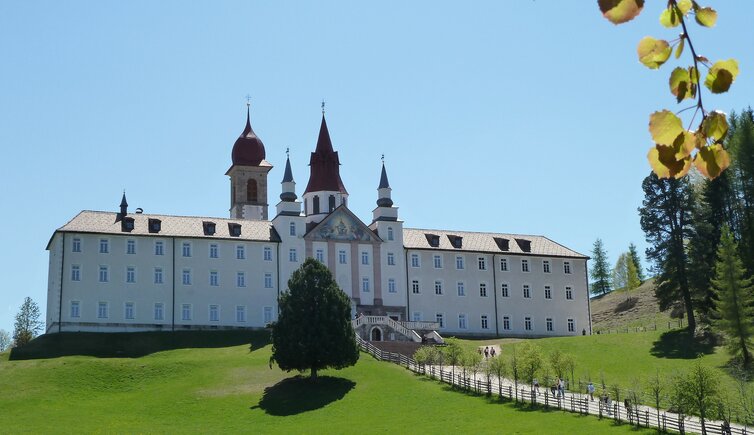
(376, 334)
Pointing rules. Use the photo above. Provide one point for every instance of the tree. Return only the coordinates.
(499, 367)
(656, 389)
(531, 362)
(5, 340)
(699, 392)
(453, 353)
(742, 147)
(735, 294)
(27, 325)
(666, 221)
(314, 330)
(637, 262)
(625, 275)
(600, 272)
(515, 370)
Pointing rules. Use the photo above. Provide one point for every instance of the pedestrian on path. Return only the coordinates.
(492, 352)
(535, 383)
(486, 352)
(590, 390)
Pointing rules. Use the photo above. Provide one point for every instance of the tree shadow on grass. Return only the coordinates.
(298, 394)
(680, 344)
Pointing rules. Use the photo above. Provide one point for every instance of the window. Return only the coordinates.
(158, 311)
(292, 257)
(390, 259)
(292, 228)
(240, 279)
(527, 291)
(213, 252)
(506, 323)
(186, 277)
(267, 280)
(391, 286)
(240, 313)
(102, 310)
(131, 247)
(548, 292)
(571, 325)
(504, 290)
(417, 316)
(438, 287)
(213, 279)
(267, 313)
(462, 321)
(482, 263)
(485, 322)
(158, 275)
(159, 247)
(214, 313)
(315, 205)
(439, 318)
(567, 267)
(186, 249)
(267, 253)
(483, 290)
(331, 202)
(365, 284)
(154, 225)
(364, 258)
(437, 261)
(252, 191)
(320, 255)
(524, 265)
(342, 256)
(129, 311)
(75, 272)
(390, 233)
(461, 288)
(75, 309)
(527, 323)
(76, 246)
(104, 246)
(186, 312)
(103, 274)
(504, 264)
(459, 262)
(414, 260)
(548, 323)
(240, 252)
(546, 266)
(130, 274)
(415, 286)
(569, 293)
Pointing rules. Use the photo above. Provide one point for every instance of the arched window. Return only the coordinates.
(251, 190)
(332, 202)
(315, 204)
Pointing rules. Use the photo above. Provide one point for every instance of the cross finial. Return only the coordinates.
(323, 106)
(287, 152)
(383, 159)
(248, 100)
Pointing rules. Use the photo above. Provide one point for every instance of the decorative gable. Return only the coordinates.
(343, 225)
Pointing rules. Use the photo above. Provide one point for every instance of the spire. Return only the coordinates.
(383, 190)
(123, 202)
(288, 193)
(384, 184)
(288, 175)
(325, 165)
(248, 149)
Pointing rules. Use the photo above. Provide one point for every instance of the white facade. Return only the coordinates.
(128, 272)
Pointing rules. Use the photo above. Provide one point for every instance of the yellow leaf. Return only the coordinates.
(715, 126)
(665, 127)
(706, 17)
(620, 11)
(722, 74)
(712, 160)
(680, 83)
(653, 52)
(669, 17)
(684, 6)
(664, 164)
(684, 145)
(679, 49)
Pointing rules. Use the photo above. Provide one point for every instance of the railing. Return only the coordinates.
(385, 320)
(640, 416)
(425, 326)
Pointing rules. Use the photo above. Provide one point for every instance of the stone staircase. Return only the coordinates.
(384, 329)
(407, 348)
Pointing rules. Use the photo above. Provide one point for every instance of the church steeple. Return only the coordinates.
(385, 210)
(288, 204)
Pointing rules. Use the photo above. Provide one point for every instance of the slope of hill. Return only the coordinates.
(233, 389)
(637, 308)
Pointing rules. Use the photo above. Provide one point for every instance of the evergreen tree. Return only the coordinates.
(637, 262)
(600, 272)
(666, 221)
(314, 330)
(735, 292)
(741, 144)
(27, 325)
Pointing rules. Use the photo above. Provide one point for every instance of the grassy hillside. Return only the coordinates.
(637, 308)
(220, 389)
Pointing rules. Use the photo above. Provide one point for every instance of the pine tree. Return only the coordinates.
(637, 262)
(600, 272)
(666, 221)
(27, 324)
(741, 144)
(735, 292)
(314, 330)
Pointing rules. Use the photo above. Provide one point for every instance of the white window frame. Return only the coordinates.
(292, 255)
(416, 316)
(567, 267)
(186, 277)
(548, 324)
(504, 290)
(240, 279)
(484, 321)
(214, 250)
(342, 257)
(159, 247)
(75, 272)
(76, 245)
(75, 309)
(528, 326)
(437, 261)
(390, 235)
(504, 264)
(214, 278)
(319, 255)
(482, 263)
(365, 258)
(548, 292)
(365, 285)
(158, 275)
(104, 273)
(571, 324)
(462, 321)
(391, 286)
(130, 274)
(524, 265)
(545, 266)
(128, 311)
(440, 319)
(186, 249)
(438, 287)
(506, 323)
(214, 313)
(482, 289)
(267, 253)
(415, 287)
(240, 313)
(415, 261)
(461, 288)
(569, 293)
(267, 280)
(390, 259)
(104, 246)
(186, 312)
(459, 262)
(292, 229)
(159, 311)
(526, 290)
(267, 315)
(240, 252)
(130, 247)
(103, 311)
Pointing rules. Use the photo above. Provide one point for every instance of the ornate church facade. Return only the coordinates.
(132, 271)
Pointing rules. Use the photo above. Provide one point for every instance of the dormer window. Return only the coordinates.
(524, 244)
(155, 225)
(456, 241)
(127, 224)
(502, 243)
(234, 229)
(209, 228)
(433, 240)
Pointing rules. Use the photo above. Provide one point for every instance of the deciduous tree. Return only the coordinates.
(314, 330)
(27, 325)
(5, 340)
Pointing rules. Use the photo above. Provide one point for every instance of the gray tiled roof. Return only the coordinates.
(414, 238)
(172, 226)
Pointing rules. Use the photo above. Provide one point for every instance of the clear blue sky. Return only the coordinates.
(518, 116)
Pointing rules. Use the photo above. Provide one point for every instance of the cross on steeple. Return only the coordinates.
(323, 106)
(248, 100)
(287, 152)
(383, 158)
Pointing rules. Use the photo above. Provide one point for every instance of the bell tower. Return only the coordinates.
(248, 176)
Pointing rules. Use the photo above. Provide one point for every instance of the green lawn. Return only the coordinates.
(232, 389)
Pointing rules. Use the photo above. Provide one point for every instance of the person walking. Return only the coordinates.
(561, 388)
(486, 352)
(492, 352)
(590, 390)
